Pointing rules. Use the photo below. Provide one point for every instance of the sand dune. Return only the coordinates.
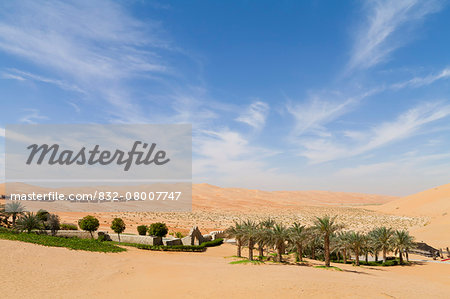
(214, 197)
(433, 203)
(209, 196)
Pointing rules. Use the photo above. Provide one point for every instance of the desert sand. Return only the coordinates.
(33, 271)
(434, 204)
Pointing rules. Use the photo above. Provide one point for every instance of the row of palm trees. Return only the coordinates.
(324, 236)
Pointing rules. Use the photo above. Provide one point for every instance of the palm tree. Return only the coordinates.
(402, 242)
(263, 237)
(326, 226)
(236, 232)
(314, 241)
(357, 242)
(278, 236)
(374, 246)
(250, 234)
(298, 236)
(342, 244)
(28, 222)
(383, 240)
(14, 209)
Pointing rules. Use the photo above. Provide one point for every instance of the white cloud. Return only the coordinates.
(22, 76)
(32, 116)
(313, 115)
(2, 132)
(95, 47)
(323, 149)
(421, 81)
(255, 115)
(385, 29)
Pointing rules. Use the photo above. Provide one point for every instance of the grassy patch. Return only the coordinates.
(71, 243)
(246, 261)
(328, 268)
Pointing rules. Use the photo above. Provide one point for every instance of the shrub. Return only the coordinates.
(101, 237)
(179, 235)
(28, 222)
(42, 215)
(118, 226)
(158, 229)
(53, 223)
(68, 226)
(216, 242)
(142, 230)
(89, 223)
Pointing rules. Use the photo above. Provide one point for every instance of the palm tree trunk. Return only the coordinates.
(14, 216)
(250, 250)
(279, 252)
(407, 255)
(313, 252)
(118, 235)
(300, 252)
(367, 257)
(344, 253)
(384, 256)
(357, 257)
(238, 243)
(261, 251)
(376, 256)
(400, 255)
(327, 250)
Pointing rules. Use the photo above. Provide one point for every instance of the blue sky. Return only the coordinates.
(282, 95)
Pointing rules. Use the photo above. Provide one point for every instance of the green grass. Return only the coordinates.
(246, 261)
(328, 268)
(71, 243)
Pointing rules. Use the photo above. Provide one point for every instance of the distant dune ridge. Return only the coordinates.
(434, 203)
(206, 196)
(209, 196)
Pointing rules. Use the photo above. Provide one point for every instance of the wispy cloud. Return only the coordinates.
(32, 116)
(408, 124)
(22, 76)
(422, 81)
(313, 115)
(2, 132)
(387, 28)
(94, 46)
(255, 115)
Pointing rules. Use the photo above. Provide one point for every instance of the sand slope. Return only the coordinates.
(33, 271)
(434, 203)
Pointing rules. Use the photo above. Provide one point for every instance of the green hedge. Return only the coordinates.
(183, 248)
(389, 262)
(216, 242)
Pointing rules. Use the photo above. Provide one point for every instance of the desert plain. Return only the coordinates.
(35, 271)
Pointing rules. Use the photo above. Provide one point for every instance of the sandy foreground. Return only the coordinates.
(33, 271)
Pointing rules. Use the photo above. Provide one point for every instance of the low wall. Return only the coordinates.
(147, 240)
